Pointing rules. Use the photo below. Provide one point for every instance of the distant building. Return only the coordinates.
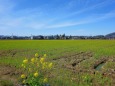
(31, 37)
(12, 36)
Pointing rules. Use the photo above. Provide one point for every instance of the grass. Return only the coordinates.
(12, 52)
(6, 83)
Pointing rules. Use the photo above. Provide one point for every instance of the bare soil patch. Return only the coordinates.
(9, 73)
(72, 62)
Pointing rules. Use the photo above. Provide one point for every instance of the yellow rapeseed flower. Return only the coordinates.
(25, 61)
(45, 64)
(23, 76)
(45, 55)
(23, 81)
(22, 65)
(45, 80)
(42, 60)
(50, 65)
(36, 55)
(36, 74)
(36, 59)
(33, 60)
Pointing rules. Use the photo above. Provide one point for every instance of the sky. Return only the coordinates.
(51, 17)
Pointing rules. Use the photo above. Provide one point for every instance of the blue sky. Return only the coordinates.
(49, 17)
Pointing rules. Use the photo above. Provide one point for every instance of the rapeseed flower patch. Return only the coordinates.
(35, 69)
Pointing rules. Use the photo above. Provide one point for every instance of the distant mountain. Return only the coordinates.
(111, 35)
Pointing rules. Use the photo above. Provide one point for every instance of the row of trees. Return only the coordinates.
(63, 36)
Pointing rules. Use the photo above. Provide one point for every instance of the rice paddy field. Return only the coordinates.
(75, 62)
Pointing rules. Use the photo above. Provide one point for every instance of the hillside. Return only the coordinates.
(111, 35)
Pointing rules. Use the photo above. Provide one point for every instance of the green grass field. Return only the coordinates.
(76, 62)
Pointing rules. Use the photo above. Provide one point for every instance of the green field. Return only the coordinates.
(76, 62)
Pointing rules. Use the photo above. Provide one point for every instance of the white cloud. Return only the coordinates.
(33, 24)
(87, 7)
(65, 24)
(34, 18)
(87, 20)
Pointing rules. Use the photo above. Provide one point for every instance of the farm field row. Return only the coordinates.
(76, 62)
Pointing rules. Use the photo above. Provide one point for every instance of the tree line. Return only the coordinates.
(60, 37)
